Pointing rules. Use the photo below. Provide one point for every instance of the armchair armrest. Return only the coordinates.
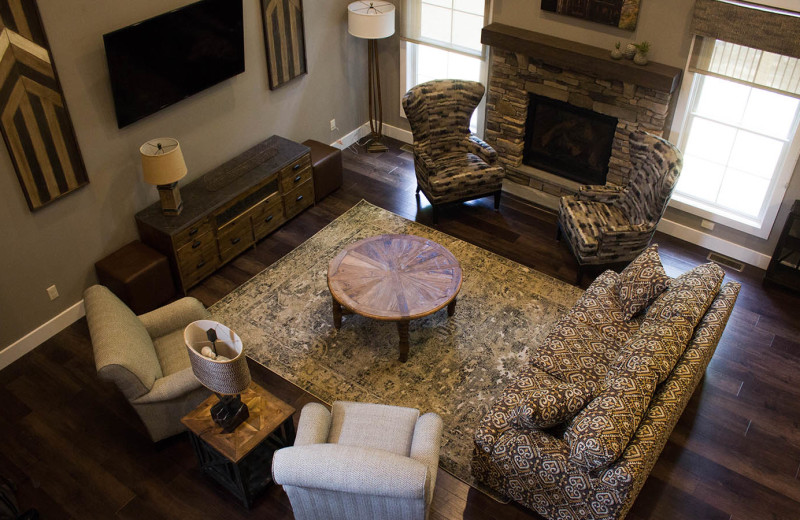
(314, 425)
(169, 387)
(425, 445)
(173, 316)
(480, 148)
(350, 469)
(600, 193)
(421, 158)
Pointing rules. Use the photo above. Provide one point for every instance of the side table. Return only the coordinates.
(241, 461)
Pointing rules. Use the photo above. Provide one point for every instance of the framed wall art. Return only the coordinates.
(619, 13)
(284, 38)
(34, 119)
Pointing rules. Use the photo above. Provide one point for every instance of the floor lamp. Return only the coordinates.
(372, 20)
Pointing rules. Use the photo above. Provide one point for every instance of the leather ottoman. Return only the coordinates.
(138, 275)
(326, 162)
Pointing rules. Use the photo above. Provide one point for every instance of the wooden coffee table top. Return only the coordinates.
(394, 277)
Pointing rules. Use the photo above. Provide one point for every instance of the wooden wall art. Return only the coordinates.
(620, 13)
(34, 120)
(285, 40)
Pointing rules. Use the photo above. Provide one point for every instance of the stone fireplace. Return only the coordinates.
(602, 94)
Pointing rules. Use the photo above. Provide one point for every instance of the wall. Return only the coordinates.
(665, 24)
(60, 243)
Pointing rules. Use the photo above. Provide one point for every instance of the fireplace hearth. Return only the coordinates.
(569, 141)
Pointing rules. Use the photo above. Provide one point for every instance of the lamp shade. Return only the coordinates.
(370, 20)
(228, 376)
(162, 161)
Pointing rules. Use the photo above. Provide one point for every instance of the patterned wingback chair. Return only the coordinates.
(452, 165)
(607, 224)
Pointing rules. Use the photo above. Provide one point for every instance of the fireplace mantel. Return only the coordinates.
(581, 57)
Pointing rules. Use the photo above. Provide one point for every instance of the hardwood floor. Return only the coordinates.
(77, 450)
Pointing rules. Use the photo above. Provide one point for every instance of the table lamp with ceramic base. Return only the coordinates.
(372, 20)
(163, 166)
(219, 363)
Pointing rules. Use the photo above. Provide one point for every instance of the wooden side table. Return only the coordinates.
(241, 461)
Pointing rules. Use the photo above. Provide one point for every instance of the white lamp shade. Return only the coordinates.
(370, 20)
(162, 161)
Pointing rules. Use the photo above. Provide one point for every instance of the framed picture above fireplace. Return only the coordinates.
(619, 13)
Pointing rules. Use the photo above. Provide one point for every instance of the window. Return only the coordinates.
(739, 137)
(441, 40)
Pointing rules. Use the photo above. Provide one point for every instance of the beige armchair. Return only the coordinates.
(146, 358)
(360, 461)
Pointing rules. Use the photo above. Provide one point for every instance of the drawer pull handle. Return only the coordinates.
(201, 264)
(236, 240)
(193, 232)
(296, 167)
(268, 218)
(297, 179)
(299, 198)
(196, 244)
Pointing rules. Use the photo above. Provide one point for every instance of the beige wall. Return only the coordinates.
(60, 243)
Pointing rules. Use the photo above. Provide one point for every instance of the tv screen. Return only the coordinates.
(160, 61)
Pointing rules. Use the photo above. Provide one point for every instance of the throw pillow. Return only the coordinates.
(641, 282)
(551, 405)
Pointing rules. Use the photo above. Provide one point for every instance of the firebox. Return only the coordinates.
(568, 141)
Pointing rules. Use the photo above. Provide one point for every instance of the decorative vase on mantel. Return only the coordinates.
(616, 52)
(640, 58)
(630, 51)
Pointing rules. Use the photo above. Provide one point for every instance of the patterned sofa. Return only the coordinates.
(577, 432)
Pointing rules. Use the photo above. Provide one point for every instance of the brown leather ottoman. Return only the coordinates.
(326, 162)
(138, 275)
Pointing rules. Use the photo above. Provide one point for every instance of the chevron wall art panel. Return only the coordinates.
(34, 120)
(285, 40)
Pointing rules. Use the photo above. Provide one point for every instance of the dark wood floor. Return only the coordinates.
(77, 450)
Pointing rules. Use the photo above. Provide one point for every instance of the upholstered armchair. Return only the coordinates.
(146, 358)
(452, 165)
(609, 224)
(360, 462)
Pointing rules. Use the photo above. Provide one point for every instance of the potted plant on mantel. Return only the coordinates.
(640, 58)
(616, 52)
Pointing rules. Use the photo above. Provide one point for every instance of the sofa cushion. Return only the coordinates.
(545, 401)
(641, 282)
(689, 295)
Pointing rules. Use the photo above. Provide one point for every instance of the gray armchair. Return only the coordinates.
(146, 357)
(452, 165)
(609, 224)
(360, 461)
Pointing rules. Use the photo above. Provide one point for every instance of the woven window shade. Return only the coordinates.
(750, 25)
(746, 65)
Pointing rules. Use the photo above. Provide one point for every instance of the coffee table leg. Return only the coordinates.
(337, 313)
(402, 331)
(451, 307)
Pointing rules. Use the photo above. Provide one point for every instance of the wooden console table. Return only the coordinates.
(230, 208)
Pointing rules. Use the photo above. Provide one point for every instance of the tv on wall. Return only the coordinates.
(162, 60)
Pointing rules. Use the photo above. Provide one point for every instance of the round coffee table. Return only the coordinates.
(394, 278)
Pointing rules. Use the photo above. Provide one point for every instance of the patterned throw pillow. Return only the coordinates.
(641, 282)
(545, 401)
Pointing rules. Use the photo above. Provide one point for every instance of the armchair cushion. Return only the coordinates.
(586, 220)
(460, 175)
(388, 428)
(641, 282)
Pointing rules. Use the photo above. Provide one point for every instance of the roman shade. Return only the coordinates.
(411, 24)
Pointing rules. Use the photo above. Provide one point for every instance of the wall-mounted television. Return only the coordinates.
(162, 60)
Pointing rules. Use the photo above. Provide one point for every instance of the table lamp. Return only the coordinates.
(372, 20)
(219, 363)
(163, 166)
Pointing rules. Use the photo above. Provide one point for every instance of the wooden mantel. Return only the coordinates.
(580, 57)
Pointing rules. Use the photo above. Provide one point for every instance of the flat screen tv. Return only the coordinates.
(160, 61)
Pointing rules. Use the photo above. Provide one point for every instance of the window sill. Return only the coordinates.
(750, 226)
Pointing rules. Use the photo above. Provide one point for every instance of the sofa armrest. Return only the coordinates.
(314, 425)
(480, 148)
(600, 193)
(169, 387)
(173, 316)
(350, 469)
(425, 445)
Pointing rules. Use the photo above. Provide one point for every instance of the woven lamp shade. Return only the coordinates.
(229, 377)
(162, 161)
(370, 20)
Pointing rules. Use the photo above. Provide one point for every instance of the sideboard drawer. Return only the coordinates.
(295, 179)
(190, 234)
(198, 259)
(267, 216)
(291, 171)
(299, 199)
(235, 237)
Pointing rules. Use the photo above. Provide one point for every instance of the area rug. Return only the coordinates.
(457, 366)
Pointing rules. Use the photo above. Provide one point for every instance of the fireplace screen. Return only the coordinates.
(568, 141)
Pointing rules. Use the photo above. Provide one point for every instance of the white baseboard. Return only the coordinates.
(41, 334)
(352, 137)
(398, 133)
(715, 244)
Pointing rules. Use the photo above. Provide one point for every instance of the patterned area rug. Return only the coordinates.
(456, 367)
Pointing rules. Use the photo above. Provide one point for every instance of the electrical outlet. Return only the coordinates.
(52, 292)
(333, 125)
(707, 224)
